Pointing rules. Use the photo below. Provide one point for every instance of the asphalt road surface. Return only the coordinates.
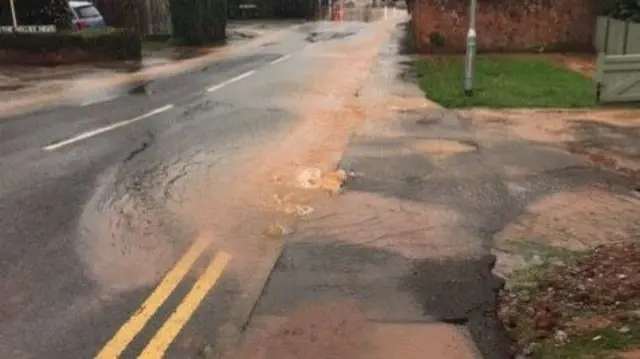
(105, 249)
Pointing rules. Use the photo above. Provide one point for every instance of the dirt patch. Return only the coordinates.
(570, 259)
(412, 341)
(549, 125)
(440, 148)
(341, 330)
(604, 138)
(633, 354)
(555, 227)
(595, 295)
(584, 64)
(576, 220)
(336, 330)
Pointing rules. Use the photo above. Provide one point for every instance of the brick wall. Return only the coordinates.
(507, 25)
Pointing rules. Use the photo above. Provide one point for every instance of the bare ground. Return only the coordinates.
(566, 256)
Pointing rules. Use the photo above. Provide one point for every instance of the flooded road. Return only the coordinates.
(133, 220)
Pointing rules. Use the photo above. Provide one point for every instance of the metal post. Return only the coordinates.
(471, 50)
(13, 15)
(625, 40)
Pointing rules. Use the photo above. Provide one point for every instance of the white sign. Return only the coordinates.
(29, 28)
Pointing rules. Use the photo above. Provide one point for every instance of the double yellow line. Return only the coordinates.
(159, 344)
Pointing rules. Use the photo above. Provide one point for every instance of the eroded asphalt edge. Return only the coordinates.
(136, 151)
(232, 333)
(465, 296)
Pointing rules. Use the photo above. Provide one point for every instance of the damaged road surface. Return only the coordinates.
(133, 225)
(276, 204)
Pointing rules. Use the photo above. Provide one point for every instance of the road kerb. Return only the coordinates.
(230, 334)
(159, 344)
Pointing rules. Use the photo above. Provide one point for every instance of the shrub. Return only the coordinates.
(437, 39)
(109, 43)
(198, 22)
(37, 12)
(626, 10)
(130, 14)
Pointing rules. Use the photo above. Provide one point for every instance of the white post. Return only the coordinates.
(471, 50)
(13, 15)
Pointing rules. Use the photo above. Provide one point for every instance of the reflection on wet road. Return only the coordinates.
(129, 225)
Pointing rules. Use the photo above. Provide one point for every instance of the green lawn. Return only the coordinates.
(505, 82)
(607, 344)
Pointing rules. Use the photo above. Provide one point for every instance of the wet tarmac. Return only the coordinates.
(102, 195)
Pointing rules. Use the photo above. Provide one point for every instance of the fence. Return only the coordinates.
(618, 65)
(616, 37)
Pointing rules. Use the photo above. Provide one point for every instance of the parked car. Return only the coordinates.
(85, 15)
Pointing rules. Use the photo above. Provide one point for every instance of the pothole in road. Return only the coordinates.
(141, 89)
(463, 292)
(442, 148)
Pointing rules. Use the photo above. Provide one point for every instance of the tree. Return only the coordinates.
(275, 9)
(198, 22)
(37, 12)
(623, 9)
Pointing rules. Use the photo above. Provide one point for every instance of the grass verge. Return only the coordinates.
(505, 82)
(587, 305)
(602, 344)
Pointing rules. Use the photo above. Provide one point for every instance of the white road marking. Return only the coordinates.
(88, 134)
(230, 81)
(280, 59)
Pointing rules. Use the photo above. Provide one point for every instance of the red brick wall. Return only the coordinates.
(507, 25)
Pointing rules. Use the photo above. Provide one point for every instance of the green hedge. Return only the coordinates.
(117, 44)
(37, 12)
(285, 9)
(625, 10)
(198, 22)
